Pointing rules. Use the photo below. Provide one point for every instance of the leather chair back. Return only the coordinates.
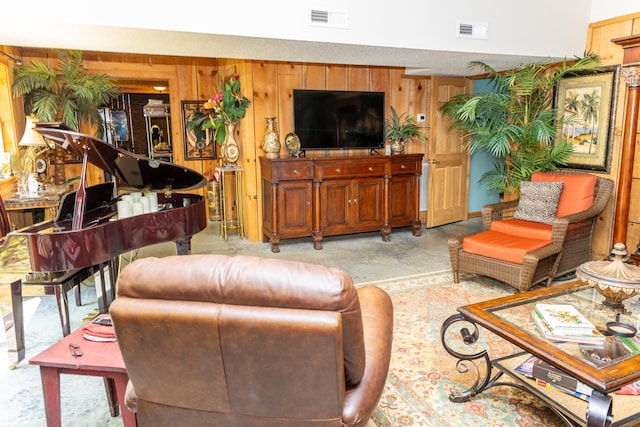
(238, 341)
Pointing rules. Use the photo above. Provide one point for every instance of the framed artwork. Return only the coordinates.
(120, 128)
(588, 102)
(198, 144)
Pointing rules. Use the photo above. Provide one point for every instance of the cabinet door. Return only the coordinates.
(402, 200)
(366, 203)
(295, 209)
(335, 206)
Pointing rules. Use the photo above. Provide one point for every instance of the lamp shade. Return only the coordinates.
(31, 138)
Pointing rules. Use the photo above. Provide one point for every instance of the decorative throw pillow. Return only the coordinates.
(538, 201)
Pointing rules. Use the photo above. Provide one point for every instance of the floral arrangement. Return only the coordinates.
(226, 107)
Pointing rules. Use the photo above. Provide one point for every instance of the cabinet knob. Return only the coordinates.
(338, 170)
(295, 172)
(403, 167)
(370, 169)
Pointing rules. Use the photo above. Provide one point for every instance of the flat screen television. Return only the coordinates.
(338, 120)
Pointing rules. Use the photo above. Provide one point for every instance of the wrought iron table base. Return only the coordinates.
(599, 411)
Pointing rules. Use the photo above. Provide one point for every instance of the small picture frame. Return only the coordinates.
(198, 145)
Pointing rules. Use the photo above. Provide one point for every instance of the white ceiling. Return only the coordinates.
(419, 35)
(416, 61)
(157, 42)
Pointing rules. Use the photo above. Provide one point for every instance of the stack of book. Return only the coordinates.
(563, 322)
(548, 376)
(99, 329)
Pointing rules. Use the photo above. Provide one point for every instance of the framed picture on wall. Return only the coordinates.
(198, 144)
(587, 102)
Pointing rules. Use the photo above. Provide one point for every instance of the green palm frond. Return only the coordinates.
(517, 124)
(64, 92)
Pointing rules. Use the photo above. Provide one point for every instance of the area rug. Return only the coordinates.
(422, 374)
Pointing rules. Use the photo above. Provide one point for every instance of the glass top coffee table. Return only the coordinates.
(605, 368)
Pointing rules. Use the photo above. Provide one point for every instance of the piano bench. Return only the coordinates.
(59, 284)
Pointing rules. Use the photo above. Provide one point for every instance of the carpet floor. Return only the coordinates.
(421, 374)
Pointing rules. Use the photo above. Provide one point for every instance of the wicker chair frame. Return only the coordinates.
(571, 236)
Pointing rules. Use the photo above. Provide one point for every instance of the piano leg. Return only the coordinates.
(113, 275)
(63, 308)
(183, 246)
(106, 289)
(14, 326)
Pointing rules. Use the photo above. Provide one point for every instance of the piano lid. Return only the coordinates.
(130, 169)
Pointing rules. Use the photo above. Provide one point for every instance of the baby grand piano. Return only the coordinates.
(87, 231)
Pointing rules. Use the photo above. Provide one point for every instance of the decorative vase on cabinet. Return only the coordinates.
(230, 149)
(397, 147)
(271, 141)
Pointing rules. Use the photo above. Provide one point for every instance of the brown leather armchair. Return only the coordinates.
(212, 340)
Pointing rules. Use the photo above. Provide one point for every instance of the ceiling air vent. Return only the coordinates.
(328, 18)
(472, 30)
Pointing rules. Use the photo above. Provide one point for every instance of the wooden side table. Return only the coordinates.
(50, 206)
(102, 359)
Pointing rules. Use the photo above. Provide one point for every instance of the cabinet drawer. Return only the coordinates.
(343, 171)
(291, 172)
(408, 167)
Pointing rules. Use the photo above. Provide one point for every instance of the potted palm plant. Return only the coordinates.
(65, 93)
(400, 130)
(517, 123)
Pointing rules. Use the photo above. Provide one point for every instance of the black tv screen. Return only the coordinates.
(338, 120)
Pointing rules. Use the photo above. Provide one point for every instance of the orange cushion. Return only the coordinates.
(523, 228)
(577, 191)
(505, 247)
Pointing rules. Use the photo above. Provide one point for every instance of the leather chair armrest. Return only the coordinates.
(377, 319)
(130, 398)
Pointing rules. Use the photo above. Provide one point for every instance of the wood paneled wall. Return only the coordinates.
(272, 85)
(599, 38)
(269, 86)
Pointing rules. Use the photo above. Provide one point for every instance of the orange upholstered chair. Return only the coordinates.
(524, 248)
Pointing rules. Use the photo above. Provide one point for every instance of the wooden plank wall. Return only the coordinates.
(273, 84)
(269, 86)
(599, 38)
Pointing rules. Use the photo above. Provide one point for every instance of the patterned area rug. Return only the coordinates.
(420, 379)
(422, 374)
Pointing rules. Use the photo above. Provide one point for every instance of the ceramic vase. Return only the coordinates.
(397, 147)
(230, 149)
(271, 141)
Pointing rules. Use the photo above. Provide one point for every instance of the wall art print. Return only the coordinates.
(198, 145)
(588, 101)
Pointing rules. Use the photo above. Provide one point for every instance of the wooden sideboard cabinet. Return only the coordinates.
(326, 196)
